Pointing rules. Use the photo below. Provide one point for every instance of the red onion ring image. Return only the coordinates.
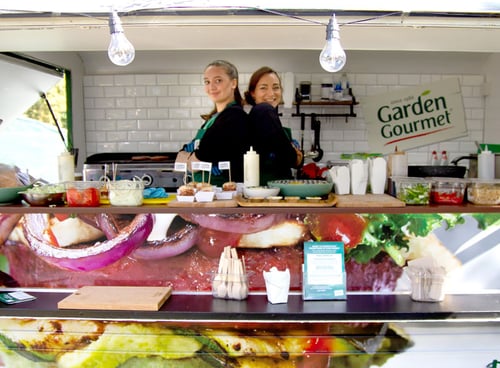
(88, 257)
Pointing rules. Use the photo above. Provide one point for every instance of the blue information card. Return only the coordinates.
(324, 271)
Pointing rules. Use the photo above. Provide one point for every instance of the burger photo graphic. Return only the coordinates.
(182, 250)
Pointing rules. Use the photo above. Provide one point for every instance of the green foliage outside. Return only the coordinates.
(57, 99)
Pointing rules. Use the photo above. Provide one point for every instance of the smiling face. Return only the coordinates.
(219, 86)
(268, 89)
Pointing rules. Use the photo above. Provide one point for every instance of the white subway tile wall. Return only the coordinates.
(161, 112)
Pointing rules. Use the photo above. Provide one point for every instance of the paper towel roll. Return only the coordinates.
(397, 164)
(288, 89)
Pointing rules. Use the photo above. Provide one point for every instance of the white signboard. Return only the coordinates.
(414, 117)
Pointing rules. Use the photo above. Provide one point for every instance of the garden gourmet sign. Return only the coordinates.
(414, 117)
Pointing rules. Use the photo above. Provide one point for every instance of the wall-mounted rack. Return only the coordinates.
(350, 102)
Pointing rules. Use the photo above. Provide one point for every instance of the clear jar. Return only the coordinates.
(66, 166)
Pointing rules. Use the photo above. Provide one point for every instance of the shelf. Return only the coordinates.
(336, 103)
(204, 307)
(464, 208)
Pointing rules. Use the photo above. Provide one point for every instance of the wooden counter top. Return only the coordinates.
(464, 208)
(204, 307)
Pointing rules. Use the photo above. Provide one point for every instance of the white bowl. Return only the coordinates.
(202, 196)
(225, 195)
(263, 192)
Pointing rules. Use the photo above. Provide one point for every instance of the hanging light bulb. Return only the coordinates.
(332, 57)
(120, 51)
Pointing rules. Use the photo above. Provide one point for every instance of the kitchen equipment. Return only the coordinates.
(155, 169)
(262, 192)
(305, 90)
(145, 298)
(449, 171)
(473, 169)
(316, 153)
(11, 194)
(43, 199)
(302, 188)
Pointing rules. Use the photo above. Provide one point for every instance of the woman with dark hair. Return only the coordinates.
(277, 151)
(224, 134)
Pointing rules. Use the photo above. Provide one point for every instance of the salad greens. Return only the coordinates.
(414, 193)
(390, 233)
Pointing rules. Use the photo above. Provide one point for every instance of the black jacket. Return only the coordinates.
(268, 138)
(226, 140)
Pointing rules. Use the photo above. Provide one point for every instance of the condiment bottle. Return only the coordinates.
(444, 158)
(251, 169)
(486, 164)
(66, 166)
(434, 159)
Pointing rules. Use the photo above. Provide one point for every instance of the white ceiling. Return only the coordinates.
(233, 28)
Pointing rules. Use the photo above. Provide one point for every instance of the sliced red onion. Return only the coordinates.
(170, 246)
(7, 224)
(90, 257)
(240, 223)
(108, 225)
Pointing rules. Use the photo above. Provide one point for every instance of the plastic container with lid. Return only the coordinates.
(484, 192)
(126, 192)
(413, 190)
(447, 191)
(83, 193)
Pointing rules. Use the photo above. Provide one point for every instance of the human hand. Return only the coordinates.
(216, 171)
(189, 147)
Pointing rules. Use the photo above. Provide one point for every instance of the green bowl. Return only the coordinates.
(11, 194)
(302, 188)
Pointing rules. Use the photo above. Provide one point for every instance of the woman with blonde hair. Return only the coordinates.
(224, 133)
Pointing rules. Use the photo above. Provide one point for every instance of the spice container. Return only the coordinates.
(484, 192)
(413, 190)
(448, 191)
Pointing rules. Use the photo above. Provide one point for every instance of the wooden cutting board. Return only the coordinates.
(147, 298)
(368, 200)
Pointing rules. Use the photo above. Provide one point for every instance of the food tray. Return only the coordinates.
(146, 201)
(214, 203)
(328, 202)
